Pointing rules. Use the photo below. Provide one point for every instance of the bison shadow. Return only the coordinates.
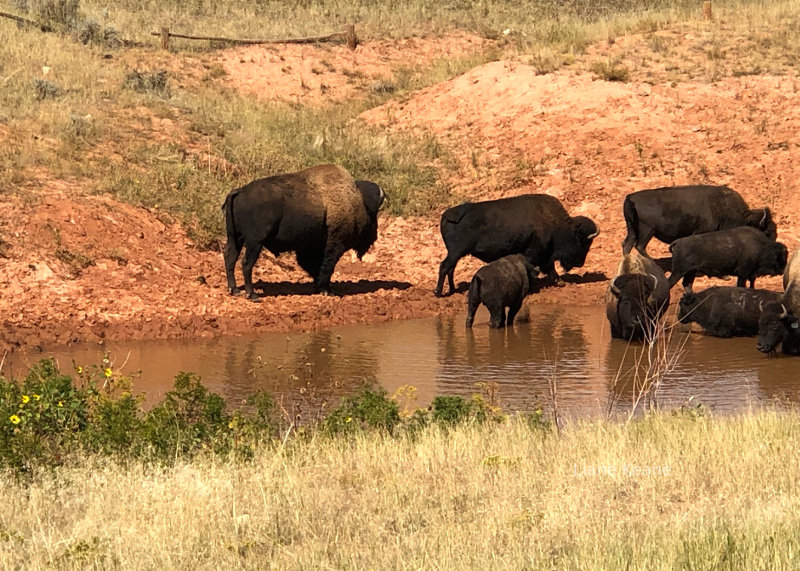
(586, 278)
(339, 289)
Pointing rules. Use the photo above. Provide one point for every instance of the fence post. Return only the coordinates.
(164, 38)
(352, 40)
(707, 10)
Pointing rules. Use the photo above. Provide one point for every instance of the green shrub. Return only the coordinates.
(370, 408)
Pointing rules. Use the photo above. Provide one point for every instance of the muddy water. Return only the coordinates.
(593, 374)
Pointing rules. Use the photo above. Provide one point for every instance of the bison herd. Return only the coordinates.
(321, 212)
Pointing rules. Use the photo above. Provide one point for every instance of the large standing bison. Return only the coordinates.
(500, 284)
(724, 311)
(637, 297)
(780, 322)
(743, 252)
(319, 213)
(536, 225)
(674, 212)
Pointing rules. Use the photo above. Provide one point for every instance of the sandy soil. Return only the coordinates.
(86, 268)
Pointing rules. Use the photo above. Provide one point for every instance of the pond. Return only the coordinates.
(563, 351)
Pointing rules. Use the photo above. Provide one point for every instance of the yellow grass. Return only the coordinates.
(721, 492)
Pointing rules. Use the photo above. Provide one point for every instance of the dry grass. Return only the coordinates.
(494, 496)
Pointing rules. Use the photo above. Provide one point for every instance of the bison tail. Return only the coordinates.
(227, 208)
(631, 217)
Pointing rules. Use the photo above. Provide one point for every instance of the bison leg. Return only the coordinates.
(512, 312)
(329, 260)
(231, 255)
(497, 318)
(550, 270)
(473, 300)
(688, 280)
(251, 253)
(447, 268)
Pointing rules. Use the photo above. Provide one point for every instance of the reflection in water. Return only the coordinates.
(308, 372)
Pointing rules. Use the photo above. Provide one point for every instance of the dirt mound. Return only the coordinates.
(320, 73)
(590, 142)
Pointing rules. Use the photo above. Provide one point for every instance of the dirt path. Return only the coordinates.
(83, 268)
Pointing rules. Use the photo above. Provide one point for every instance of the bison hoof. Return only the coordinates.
(559, 283)
(235, 291)
(254, 298)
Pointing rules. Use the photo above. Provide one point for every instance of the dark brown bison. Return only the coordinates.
(637, 297)
(536, 225)
(743, 252)
(724, 311)
(674, 212)
(319, 213)
(500, 284)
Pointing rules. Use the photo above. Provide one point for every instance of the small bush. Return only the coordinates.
(43, 89)
(371, 408)
(146, 82)
(611, 71)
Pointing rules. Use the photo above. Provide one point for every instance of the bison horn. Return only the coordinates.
(784, 312)
(761, 305)
(763, 218)
(614, 288)
(593, 235)
(650, 298)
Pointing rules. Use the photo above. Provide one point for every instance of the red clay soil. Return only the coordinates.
(85, 268)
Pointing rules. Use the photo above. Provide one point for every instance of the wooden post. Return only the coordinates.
(164, 38)
(352, 40)
(707, 10)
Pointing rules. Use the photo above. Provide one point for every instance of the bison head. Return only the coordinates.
(573, 241)
(773, 262)
(636, 305)
(686, 306)
(761, 218)
(373, 197)
(772, 326)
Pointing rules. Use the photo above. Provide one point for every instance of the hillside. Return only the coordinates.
(85, 258)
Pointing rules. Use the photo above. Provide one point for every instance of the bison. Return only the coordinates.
(724, 311)
(743, 252)
(674, 212)
(636, 298)
(500, 284)
(536, 225)
(319, 213)
(780, 321)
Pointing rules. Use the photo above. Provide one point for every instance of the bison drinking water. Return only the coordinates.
(675, 212)
(536, 225)
(500, 284)
(780, 321)
(637, 298)
(319, 213)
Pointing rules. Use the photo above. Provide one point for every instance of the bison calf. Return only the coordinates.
(743, 252)
(674, 212)
(319, 213)
(724, 311)
(500, 284)
(536, 225)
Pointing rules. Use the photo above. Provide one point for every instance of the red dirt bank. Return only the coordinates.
(586, 141)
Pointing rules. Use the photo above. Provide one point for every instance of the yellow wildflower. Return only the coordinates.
(37, 397)
(80, 370)
(349, 419)
(61, 403)
(108, 372)
(14, 419)
(25, 399)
